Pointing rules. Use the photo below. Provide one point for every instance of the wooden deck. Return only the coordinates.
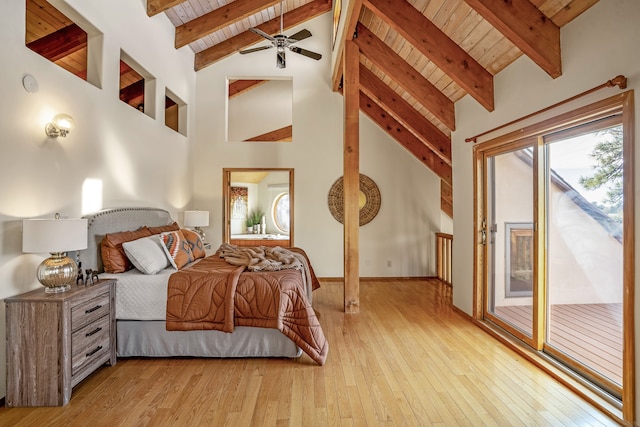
(589, 333)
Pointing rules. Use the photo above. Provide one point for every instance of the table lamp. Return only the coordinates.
(56, 236)
(196, 219)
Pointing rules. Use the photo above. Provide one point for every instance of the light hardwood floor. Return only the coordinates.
(407, 359)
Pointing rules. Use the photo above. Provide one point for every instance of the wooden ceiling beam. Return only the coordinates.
(219, 18)
(572, 11)
(243, 40)
(406, 76)
(133, 94)
(61, 43)
(284, 134)
(526, 27)
(428, 39)
(238, 87)
(157, 6)
(125, 68)
(446, 198)
(405, 138)
(405, 114)
(351, 20)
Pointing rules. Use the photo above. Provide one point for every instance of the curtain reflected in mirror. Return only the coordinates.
(258, 207)
(239, 202)
(260, 110)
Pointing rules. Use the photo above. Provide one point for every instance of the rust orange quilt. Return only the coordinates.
(214, 295)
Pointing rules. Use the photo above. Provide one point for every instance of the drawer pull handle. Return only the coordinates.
(95, 331)
(97, 349)
(91, 310)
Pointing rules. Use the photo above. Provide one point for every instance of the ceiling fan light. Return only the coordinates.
(282, 42)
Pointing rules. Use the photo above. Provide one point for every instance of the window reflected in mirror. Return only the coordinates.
(260, 110)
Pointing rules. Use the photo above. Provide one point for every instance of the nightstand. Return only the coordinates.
(54, 341)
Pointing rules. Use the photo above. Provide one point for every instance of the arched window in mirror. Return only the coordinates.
(280, 212)
(260, 110)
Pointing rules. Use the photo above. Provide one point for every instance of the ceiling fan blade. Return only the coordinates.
(259, 32)
(281, 60)
(300, 35)
(255, 49)
(305, 52)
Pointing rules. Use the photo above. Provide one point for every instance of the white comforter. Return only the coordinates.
(141, 296)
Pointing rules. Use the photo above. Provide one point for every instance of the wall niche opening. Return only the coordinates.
(175, 113)
(65, 39)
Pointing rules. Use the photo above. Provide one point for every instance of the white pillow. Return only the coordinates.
(146, 254)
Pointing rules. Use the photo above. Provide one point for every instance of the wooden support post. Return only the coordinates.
(351, 180)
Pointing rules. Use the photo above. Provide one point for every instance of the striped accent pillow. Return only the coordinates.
(177, 248)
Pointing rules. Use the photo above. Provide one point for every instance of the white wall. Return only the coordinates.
(596, 46)
(269, 104)
(401, 234)
(138, 160)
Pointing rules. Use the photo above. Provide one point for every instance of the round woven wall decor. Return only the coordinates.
(369, 200)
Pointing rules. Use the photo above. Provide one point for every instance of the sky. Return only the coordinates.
(570, 159)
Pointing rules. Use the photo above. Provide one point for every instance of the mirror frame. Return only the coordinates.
(226, 199)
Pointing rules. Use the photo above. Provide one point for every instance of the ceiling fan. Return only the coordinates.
(282, 42)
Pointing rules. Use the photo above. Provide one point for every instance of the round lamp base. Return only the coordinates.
(56, 289)
(57, 273)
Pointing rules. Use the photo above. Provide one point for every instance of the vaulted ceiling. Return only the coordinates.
(417, 57)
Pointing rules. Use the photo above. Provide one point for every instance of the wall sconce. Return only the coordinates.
(56, 236)
(197, 219)
(60, 125)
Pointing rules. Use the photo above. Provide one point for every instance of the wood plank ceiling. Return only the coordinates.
(417, 57)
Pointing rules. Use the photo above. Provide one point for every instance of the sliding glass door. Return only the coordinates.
(509, 234)
(555, 231)
(584, 183)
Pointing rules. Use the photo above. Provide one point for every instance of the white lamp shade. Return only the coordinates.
(196, 218)
(54, 235)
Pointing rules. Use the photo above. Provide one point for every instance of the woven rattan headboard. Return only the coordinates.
(113, 221)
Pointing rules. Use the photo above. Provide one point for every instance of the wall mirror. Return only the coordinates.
(258, 207)
(260, 110)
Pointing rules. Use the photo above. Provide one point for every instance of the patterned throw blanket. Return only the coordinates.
(214, 294)
(266, 258)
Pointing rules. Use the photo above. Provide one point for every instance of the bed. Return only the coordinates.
(141, 303)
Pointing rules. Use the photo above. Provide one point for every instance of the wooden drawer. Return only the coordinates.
(89, 311)
(76, 334)
(90, 343)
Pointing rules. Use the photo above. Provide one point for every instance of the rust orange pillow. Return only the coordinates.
(164, 228)
(114, 259)
(195, 243)
(177, 248)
